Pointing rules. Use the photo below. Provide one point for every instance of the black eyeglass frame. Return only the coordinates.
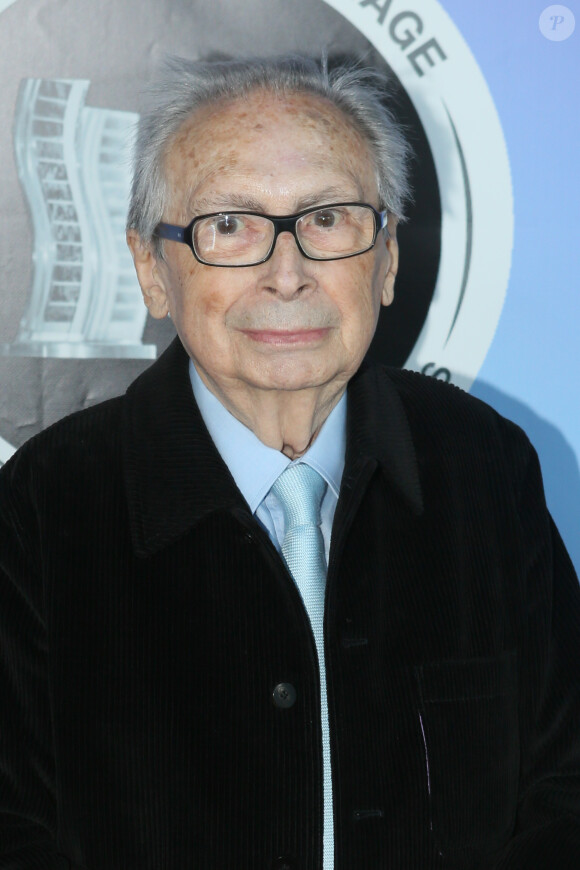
(282, 224)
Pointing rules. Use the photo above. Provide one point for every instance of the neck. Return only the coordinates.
(287, 420)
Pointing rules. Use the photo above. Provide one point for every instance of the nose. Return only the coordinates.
(286, 272)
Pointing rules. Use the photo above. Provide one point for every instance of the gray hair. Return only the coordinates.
(190, 85)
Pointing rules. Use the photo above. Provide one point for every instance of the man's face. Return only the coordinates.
(289, 323)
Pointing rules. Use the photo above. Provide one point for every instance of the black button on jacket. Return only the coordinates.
(146, 621)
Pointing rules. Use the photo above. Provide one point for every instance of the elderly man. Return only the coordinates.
(275, 607)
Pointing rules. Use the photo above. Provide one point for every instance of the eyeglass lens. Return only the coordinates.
(325, 233)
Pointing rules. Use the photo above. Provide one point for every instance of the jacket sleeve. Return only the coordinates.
(27, 778)
(547, 834)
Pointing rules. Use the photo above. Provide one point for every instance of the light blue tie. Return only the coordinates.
(300, 490)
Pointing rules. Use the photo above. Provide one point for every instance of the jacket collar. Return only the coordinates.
(164, 434)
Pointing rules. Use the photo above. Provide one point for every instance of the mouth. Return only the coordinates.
(286, 337)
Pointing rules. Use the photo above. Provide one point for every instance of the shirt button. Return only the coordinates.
(284, 864)
(284, 695)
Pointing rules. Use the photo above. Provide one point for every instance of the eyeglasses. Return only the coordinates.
(239, 238)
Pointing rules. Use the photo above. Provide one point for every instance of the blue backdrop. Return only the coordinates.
(530, 373)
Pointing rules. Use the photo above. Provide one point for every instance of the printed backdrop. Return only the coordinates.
(487, 294)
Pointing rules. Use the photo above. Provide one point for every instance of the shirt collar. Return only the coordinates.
(255, 466)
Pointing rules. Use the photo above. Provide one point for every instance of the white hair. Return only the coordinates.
(190, 85)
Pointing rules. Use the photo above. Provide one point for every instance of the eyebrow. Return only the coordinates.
(231, 201)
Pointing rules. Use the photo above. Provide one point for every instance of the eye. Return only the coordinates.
(326, 219)
(228, 224)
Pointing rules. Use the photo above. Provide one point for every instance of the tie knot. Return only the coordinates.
(300, 490)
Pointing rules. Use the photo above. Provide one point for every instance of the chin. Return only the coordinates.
(293, 377)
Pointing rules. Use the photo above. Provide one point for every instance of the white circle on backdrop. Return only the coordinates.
(435, 66)
(557, 23)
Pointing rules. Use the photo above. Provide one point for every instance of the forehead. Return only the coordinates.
(271, 140)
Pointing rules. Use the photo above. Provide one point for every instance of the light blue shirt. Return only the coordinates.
(255, 467)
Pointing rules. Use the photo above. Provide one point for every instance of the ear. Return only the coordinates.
(148, 275)
(388, 293)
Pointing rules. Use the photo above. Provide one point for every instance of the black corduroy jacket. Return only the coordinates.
(146, 619)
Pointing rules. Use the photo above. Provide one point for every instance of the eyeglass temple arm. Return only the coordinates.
(384, 217)
(170, 232)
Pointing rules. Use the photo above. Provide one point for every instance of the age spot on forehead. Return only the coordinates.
(216, 140)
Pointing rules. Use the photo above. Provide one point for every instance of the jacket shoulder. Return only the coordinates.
(446, 417)
(423, 393)
(83, 439)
